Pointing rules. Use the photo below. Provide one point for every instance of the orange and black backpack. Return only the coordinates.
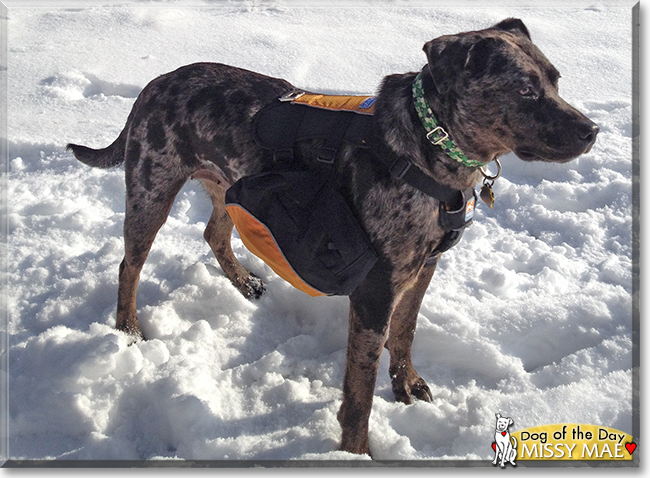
(303, 229)
(296, 220)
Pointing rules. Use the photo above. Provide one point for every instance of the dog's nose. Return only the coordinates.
(588, 131)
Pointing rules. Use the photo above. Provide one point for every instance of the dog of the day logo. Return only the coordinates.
(563, 441)
(505, 445)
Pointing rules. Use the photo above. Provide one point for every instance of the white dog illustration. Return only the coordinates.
(506, 448)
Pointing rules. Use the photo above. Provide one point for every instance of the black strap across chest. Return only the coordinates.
(280, 125)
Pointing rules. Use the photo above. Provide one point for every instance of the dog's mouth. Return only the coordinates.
(526, 155)
(529, 155)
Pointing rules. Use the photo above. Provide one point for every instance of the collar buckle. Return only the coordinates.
(441, 138)
(442, 135)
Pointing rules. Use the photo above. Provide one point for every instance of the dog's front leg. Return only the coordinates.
(496, 454)
(406, 381)
(503, 455)
(508, 451)
(218, 234)
(369, 315)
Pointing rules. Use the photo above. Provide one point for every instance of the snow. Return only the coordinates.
(530, 315)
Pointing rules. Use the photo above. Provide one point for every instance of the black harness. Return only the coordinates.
(279, 126)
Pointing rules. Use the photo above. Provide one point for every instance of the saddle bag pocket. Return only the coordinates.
(303, 229)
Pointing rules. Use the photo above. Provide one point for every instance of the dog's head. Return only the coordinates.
(503, 423)
(500, 94)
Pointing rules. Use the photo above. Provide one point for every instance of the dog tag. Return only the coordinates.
(487, 196)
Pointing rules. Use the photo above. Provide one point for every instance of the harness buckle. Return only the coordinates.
(326, 155)
(462, 214)
(283, 155)
(440, 131)
(291, 95)
(399, 168)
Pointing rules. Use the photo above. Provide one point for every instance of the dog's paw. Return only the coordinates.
(421, 391)
(249, 285)
(404, 392)
(134, 333)
(356, 447)
(253, 287)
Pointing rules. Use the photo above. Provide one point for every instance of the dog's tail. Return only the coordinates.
(108, 157)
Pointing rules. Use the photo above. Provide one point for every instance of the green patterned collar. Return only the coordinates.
(435, 133)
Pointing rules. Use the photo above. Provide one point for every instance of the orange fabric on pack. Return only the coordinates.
(259, 240)
(358, 104)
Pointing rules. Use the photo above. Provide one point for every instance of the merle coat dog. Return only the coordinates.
(492, 90)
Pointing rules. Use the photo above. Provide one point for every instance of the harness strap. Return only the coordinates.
(449, 240)
(327, 152)
(286, 122)
(456, 207)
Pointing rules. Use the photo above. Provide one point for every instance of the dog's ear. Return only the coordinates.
(513, 25)
(498, 415)
(446, 59)
(483, 56)
(510, 422)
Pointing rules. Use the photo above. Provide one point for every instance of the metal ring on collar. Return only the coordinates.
(492, 178)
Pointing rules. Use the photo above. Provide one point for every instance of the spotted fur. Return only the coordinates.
(492, 90)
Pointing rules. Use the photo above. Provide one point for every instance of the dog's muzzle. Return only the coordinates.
(587, 133)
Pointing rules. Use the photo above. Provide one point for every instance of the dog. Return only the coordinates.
(506, 446)
(492, 92)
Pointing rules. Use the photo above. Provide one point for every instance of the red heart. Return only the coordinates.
(630, 447)
(494, 446)
(503, 433)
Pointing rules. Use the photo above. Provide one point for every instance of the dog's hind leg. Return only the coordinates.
(218, 234)
(143, 220)
(150, 192)
(405, 380)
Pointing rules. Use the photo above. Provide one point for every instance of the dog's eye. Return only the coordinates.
(527, 92)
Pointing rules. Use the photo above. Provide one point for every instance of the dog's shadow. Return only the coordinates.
(188, 427)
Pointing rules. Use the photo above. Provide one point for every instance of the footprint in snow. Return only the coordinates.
(76, 86)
